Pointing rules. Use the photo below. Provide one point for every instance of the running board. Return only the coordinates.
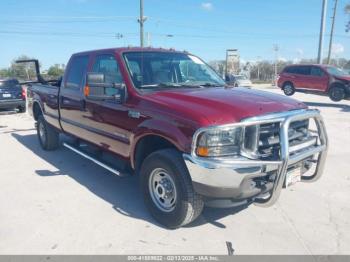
(101, 164)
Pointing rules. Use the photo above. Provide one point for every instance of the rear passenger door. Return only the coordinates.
(302, 77)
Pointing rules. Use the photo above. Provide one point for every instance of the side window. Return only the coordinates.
(107, 65)
(290, 70)
(303, 70)
(316, 71)
(76, 74)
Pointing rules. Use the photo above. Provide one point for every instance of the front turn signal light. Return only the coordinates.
(202, 151)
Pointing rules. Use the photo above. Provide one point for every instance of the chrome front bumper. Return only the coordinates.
(233, 178)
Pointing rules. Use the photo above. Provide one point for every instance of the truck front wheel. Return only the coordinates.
(337, 93)
(168, 190)
(48, 136)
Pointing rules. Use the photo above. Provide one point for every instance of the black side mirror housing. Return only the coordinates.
(96, 88)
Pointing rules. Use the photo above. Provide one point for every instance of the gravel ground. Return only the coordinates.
(58, 203)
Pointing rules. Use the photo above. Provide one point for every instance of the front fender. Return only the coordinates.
(180, 137)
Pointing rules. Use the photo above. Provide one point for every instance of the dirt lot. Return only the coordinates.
(58, 203)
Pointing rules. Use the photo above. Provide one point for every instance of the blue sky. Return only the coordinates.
(52, 30)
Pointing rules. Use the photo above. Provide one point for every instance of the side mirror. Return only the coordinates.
(97, 89)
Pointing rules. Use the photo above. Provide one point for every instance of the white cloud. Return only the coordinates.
(337, 48)
(207, 6)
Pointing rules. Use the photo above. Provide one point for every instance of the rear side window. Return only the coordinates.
(303, 70)
(77, 71)
(290, 70)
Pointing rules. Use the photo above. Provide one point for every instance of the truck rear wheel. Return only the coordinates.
(48, 136)
(168, 190)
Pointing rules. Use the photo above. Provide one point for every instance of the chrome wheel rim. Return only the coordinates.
(42, 133)
(288, 89)
(162, 190)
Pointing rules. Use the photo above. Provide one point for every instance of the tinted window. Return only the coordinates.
(303, 70)
(107, 65)
(77, 71)
(290, 70)
(9, 83)
(316, 71)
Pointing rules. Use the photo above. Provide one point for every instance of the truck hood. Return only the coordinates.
(222, 105)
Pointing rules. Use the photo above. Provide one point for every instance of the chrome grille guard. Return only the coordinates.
(286, 159)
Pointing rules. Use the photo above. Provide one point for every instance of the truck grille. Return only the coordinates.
(269, 138)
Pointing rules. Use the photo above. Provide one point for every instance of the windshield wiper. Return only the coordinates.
(209, 85)
(160, 85)
(169, 85)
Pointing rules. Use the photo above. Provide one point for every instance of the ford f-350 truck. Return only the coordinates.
(168, 118)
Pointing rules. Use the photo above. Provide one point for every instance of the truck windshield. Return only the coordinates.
(336, 71)
(156, 70)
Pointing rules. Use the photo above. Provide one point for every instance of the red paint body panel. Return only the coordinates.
(173, 114)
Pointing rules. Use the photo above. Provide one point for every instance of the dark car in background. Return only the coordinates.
(12, 95)
(316, 79)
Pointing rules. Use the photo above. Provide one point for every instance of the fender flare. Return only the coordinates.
(162, 129)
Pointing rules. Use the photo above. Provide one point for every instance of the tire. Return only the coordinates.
(337, 93)
(47, 135)
(22, 109)
(288, 89)
(164, 171)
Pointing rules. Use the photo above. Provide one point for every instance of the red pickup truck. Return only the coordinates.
(315, 79)
(167, 117)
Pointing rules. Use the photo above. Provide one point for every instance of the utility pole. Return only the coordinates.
(332, 31)
(141, 20)
(322, 29)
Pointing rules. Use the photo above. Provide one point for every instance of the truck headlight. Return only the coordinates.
(219, 142)
(232, 141)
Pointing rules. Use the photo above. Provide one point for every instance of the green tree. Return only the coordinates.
(4, 73)
(22, 71)
(55, 71)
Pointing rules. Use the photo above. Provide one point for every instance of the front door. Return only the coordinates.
(318, 79)
(111, 125)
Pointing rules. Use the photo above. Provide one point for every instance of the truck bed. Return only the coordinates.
(47, 95)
